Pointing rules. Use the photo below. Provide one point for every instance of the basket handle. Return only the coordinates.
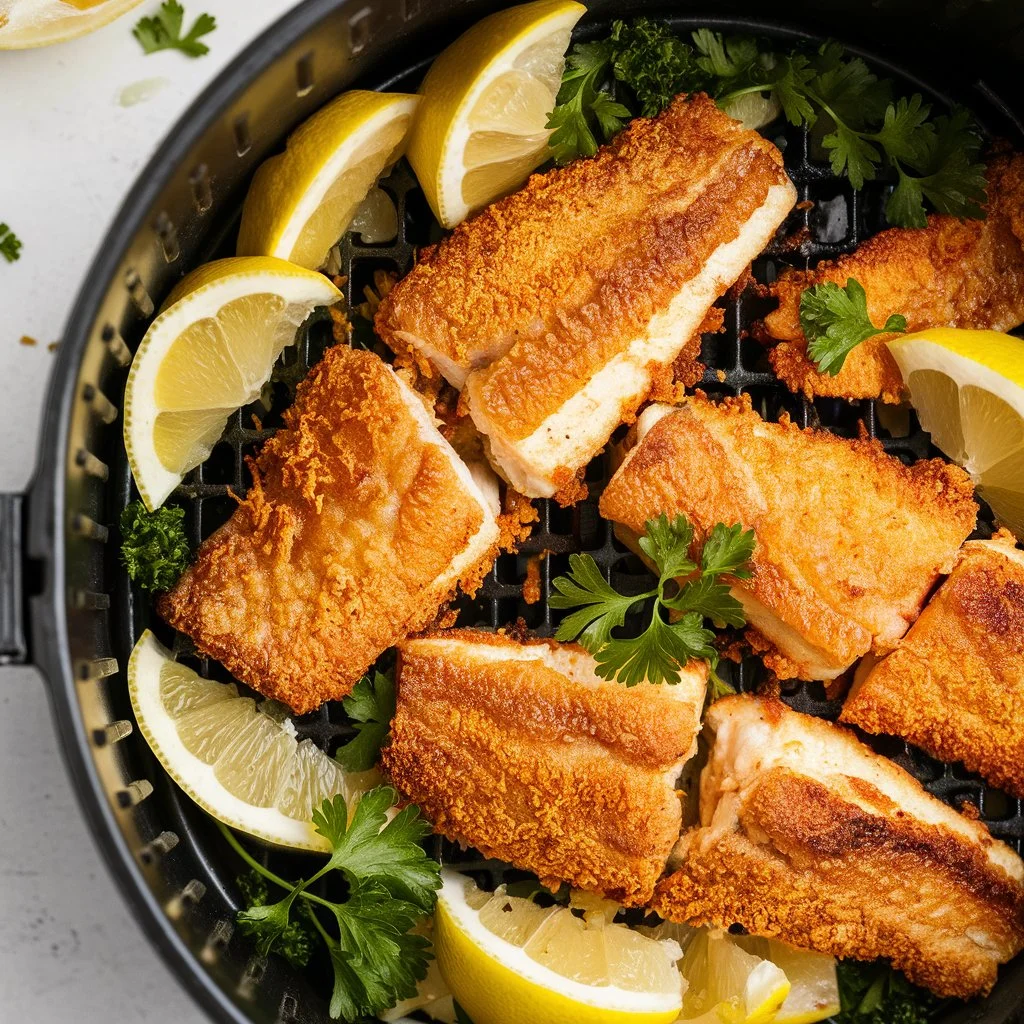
(13, 642)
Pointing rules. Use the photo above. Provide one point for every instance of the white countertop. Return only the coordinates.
(69, 949)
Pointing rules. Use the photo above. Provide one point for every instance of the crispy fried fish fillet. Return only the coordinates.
(955, 685)
(360, 522)
(808, 836)
(849, 539)
(552, 306)
(520, 750)
(953, 273)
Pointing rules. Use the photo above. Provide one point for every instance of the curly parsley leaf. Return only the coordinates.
(154, 548)
(371, 705)
(391, 885)
(10, 244)
(653, 62)
(874, 993)
(835, 321)
(295, 942)
(163, 31)
(659, 652)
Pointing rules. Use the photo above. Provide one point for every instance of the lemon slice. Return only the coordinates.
(754, 110)
(481, 129)
(968, 390)
(239, 761)
(27, 23)
(209, 352)
(814, 987)
(300, 202)
(508, 960)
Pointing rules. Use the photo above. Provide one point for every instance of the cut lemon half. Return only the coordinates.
(238, 760)
(28, 23)
(968, 390)
(300, 202)
(481, 127)
(209, 352)
(509, 960)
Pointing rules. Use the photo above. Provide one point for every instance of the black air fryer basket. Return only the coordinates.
(66, 604)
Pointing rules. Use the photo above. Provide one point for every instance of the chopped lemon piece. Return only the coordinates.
(302, 201)
(241, 762)
(481, 127)
(968, 390)
(508, 960)
(209, 352)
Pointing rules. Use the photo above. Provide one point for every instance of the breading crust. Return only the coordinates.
(519, 750)
(955, 685)
(952, 273)
(347, 540)
(837, 849)
(849, 539)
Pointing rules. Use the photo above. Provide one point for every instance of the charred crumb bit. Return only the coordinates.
(969, 809)
(862, 431)
(804, 204)
(518, 631)
(531, 585)
(738, 287)
(516, 521)
(53, 346)
(733, 648)
(792, 242)
(770, 686)
(257, 423)
(446, 618)
(664, 385)
(383, 282)
(341, 328)
(836, 689)
(28, 340)
(721, 375)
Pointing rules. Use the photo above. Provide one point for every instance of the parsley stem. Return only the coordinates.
(736, 93)
(267, 873)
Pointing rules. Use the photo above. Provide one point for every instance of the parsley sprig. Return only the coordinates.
(371, 705)
(163, 31)
(154, 548)
(835, 321)
(664, 646)
(862, 128)
(875, 993)
(391, 884)
(10, 244)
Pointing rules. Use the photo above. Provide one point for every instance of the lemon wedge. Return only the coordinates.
(814, 988)
(301, 201)
(209, 352)
(968, 390)
(509, 960)
(238, 760)
(28, 23)
(480, 128)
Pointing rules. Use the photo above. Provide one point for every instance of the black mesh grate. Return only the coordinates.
(832, 218)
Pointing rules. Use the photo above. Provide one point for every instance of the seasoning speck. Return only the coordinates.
(28, 340)
(140, 92)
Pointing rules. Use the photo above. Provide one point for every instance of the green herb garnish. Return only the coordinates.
(163, 31)
(371, 704)
(873, 993)
(663, 647)
(154, 549)
(391, 884)
(835, 321)
(10, 244)
(861, 127)
(297, 941)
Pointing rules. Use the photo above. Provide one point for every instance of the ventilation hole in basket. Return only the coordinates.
(96, 668)
(168, 235)
(253, 974)
(93, 466)
(189, 896)
(240, 130)
(89, 601)
(156, 848)
(359, 30)
(112, 733)
(304, 77)
(115, 345)
(134, 793)
(99, 403)
(217, 941)
(202, 192)
(88, 528)
(137, 290)
(410, 9)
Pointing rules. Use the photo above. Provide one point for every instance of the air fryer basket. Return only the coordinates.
(66, 603)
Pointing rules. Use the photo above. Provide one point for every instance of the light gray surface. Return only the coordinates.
(69, 950)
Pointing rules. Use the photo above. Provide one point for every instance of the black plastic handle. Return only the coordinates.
(13, 645)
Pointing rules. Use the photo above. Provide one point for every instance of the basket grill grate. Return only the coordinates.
(833, 218)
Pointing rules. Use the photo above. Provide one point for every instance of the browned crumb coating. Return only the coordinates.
(955, 685)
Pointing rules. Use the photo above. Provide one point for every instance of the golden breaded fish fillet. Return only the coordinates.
(849, 539)
(806, 835)
(360, 522)
(955, 685)
(952, 273)
(551, 307)
(521, 751)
